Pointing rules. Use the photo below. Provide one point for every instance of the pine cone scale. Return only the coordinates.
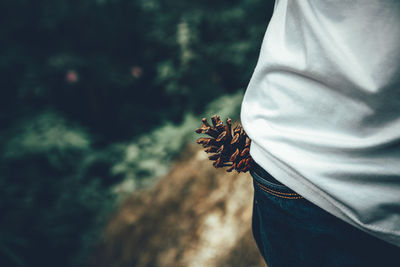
(231, 147)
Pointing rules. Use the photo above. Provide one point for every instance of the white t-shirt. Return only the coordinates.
(323, 108)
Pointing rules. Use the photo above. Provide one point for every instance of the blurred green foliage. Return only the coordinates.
(54, 193)
(120, 67)
(148, 157)
(99, 94)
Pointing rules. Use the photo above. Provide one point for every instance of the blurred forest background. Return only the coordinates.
(97, 100)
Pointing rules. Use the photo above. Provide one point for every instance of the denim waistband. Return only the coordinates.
(264, 174)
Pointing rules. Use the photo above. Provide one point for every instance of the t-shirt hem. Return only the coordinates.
(305, 188)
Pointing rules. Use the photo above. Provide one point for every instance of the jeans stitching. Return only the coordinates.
(278, 194)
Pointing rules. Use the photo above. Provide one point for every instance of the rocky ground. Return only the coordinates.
(194, 216)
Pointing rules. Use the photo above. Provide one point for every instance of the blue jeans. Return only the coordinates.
(291, 231)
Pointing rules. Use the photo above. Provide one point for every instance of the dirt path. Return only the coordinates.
(194, 216)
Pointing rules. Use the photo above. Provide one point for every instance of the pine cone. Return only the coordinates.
(230, 147)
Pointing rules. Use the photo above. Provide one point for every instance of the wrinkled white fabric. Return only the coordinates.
(323, 108)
